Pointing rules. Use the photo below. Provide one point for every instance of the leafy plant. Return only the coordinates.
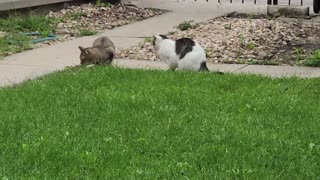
(86, 32)
(242, 39)
(185, 25)
(252, 16)
(314, 60)
(14, 43)
(227, 26)
(28, 23)
(253, 61)
(77, 15)
(207, 51)
(148, 39)
(298, 53)
(251, 46)
(270, 62)
(102, 4)
(171, 33)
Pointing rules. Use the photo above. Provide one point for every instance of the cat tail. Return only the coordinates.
(204, 68)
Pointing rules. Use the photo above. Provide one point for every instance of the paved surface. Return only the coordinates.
(30, 64)
(272, 71)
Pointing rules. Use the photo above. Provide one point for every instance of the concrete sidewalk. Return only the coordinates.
(30, 64)
(271, 71)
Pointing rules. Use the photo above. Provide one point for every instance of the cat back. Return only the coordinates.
(101, 52)
(184, 46)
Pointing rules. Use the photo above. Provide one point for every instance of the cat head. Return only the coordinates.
(86, 55)
(157, 39)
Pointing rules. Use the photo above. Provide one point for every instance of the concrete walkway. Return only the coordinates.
(271, 71)
(30, 64)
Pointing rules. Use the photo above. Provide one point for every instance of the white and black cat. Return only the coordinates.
(182, 54)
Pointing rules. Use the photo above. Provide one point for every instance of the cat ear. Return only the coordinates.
(82, 48)
(87, 51)
(154, 41)
(157, 37)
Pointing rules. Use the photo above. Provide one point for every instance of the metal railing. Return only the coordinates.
(269, 2)
(275, 2)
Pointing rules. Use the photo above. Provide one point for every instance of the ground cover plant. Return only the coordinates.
(107, 122)
(66, 24)
(11, 28)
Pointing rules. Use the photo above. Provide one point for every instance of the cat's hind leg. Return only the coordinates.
(173, 67)
(188, 65)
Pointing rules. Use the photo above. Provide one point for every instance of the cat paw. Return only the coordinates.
(89, 66)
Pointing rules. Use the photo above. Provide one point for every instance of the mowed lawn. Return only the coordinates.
(112, 123)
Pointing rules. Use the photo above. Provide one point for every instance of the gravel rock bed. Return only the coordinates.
(89, 19)
(240, 38)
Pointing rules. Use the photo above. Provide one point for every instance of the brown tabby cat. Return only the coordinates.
(101, 52)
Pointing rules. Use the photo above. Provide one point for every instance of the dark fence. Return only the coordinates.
(269, 2)
(275, 2)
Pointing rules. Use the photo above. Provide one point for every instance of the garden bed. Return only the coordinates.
(241, 38)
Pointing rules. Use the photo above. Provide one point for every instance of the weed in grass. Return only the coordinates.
(86, 32)
(99, 3)
(15, 24)
(242, 40)
(253, 61)
(251, 46)
(252, 16)
(207, 51)
(298, 52)
(77, 15)
(185, 25)
(270, 62)
(314, 60)
(14, 43)
(148, 40)
(227, 26)
(270, 18)
(133, 19)
(171, 33)
(28, 23)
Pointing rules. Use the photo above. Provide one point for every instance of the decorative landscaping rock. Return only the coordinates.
(254, 40)
(89, 19)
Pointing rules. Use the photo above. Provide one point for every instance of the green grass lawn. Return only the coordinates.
(106, 123)
(15, 24)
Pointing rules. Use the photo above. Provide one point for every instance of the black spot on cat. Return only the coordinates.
(184, 46)
(163, 36)
(203, 66)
